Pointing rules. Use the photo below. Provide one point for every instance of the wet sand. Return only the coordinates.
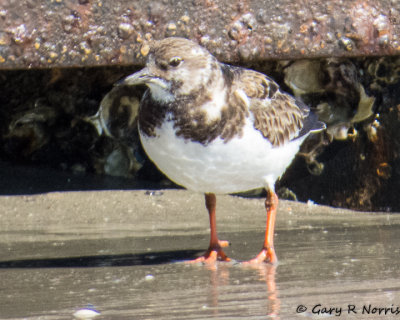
(122, 252)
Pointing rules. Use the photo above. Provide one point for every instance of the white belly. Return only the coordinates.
(241, 164)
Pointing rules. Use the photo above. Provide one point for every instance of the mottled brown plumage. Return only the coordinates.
(277, 115)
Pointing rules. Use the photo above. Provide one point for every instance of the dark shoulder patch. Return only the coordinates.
(273, 88)
(151, 114)
(228, 73)
(192, 123)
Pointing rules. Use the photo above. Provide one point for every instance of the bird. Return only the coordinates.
(215, 128)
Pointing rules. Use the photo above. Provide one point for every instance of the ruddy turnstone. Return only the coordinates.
(217, 129)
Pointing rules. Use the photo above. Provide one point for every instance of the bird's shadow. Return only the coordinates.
(121, 260)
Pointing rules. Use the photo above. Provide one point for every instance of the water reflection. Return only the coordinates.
(220, 278)
(267, 274)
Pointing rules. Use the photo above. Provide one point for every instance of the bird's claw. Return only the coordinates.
(223, 243)
(213, 255)
(266, 255)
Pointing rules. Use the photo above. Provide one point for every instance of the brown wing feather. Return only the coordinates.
(277, 115)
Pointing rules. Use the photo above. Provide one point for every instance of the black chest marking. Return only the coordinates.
(152, 114)
(189, 120)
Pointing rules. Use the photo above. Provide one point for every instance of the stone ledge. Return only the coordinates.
(77, 33)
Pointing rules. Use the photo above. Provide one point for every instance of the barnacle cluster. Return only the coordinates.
(116, 118)
(358, 100)
(57, 125)
(333, 87)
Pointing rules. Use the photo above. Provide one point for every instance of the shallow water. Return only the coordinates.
(347, 268)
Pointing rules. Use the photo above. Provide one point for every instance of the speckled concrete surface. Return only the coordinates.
(122, 252)
(100, 32)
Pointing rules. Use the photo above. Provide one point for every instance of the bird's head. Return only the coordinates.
(174, 67)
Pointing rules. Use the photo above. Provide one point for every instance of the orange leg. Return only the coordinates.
(267, 253)
(214, 251)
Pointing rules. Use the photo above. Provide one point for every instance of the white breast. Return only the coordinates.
(241, 164)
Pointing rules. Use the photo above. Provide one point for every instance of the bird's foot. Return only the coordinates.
(266, 255)
(213, 254)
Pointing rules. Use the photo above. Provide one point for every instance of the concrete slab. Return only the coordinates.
(68, 33)
(122, 252)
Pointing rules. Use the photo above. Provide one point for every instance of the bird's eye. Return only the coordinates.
(175, 61)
